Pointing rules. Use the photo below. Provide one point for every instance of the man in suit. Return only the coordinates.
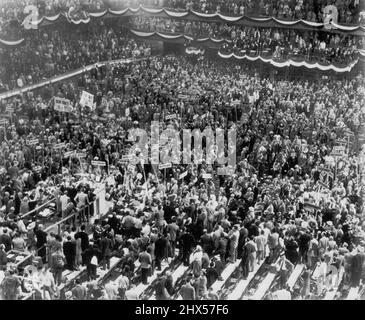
(187, 291)
(222, 248)
(5, 239)
(41, 243)
(69, 250)
(146, 261)
(187, 242)
(84, 238)
(106, 246)
(161, 250)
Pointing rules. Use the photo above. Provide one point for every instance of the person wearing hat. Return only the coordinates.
(211, 274)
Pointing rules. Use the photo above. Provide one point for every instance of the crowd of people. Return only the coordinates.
(280, 43)
(287, 198)
(13, 12)
(54, 52)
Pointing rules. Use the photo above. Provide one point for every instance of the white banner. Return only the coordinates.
(87, 99)
(62, 105)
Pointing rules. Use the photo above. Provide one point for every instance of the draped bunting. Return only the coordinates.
(290, 62)
(164, 36)
(11, 43)
(192, 50)
(269, 22)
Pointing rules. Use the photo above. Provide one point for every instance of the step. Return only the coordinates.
(227, 272)
(330, 295)
(139, 290)
(179, 272)
(264, 286)
(103, 273)
(242, 285)
(295, 275)
(353, 293)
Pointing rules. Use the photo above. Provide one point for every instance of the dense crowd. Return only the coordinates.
(13, 13)
(53, 52)
(276, 206)
(279, 43)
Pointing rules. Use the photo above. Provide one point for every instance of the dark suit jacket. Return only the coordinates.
(69, 249)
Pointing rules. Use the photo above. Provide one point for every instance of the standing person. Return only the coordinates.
(304, 243)
(274, 247)
(123, 284)
(58, 263)
(89, 256)
(284, 267)
(233, 236)
(251, 253)
(313, 252)
(78, 255)
(69, 250)
(47, 283)
(5, 239)
(260, 241)
(41, 243)
(161, 250)
(52, 246)
(82, 201)
(146, 261)
(211, 274)
(187, 242)
(84, 237)
(305, 292)
(3, 258)
(10, 286)
(222, 248)
(245, 262)
(291, 250)
(64, 200)
(187, 291)
(79, 292)
(357, 267)
(173, 230)
(196, 261)
(106, 247)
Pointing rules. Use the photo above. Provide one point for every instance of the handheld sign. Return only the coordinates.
(37, 169)
(9, 110)
(98, 163)
(171, 116)
(62, 105)
(339, 149)
(4, 122)
(165, 166)
(32, 142)
(131, 167)
(59, 146)
(68, 154)
(87, 99)
(207, 176)
(127, 157)
(81, 155)
(183, 175)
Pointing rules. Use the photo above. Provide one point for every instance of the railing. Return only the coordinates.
(68, 75)
(38, 208)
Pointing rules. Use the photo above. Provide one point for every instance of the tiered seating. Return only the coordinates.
(242, 285)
